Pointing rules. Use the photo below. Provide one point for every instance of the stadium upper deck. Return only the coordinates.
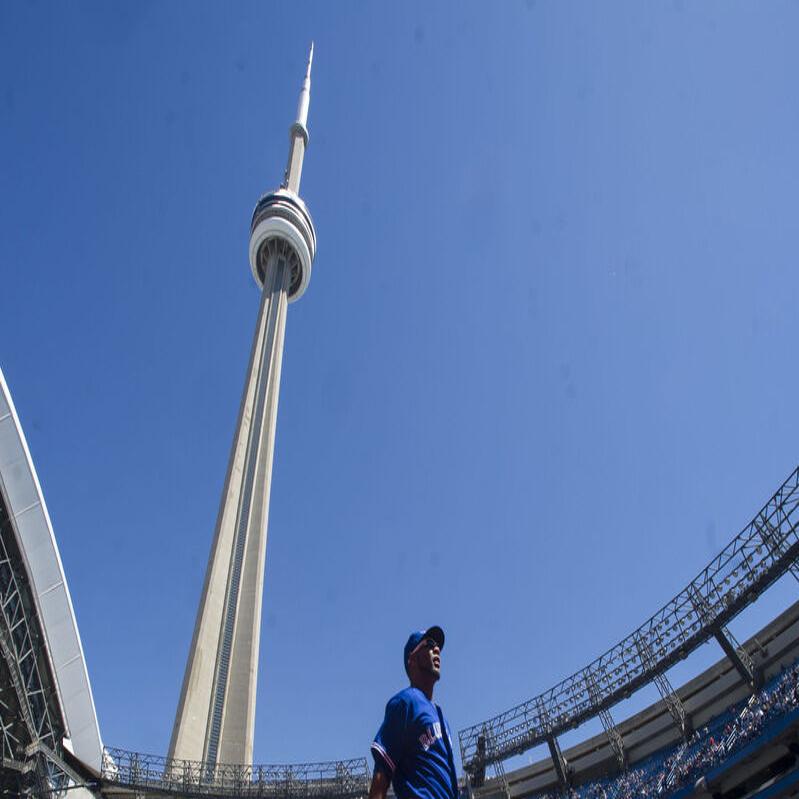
(652, 732)
(755, 558)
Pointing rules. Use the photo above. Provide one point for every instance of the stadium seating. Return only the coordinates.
(674, 772)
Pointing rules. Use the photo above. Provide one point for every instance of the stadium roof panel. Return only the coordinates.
(36, 540)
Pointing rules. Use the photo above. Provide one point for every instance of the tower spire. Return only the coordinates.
(305, 94)
(298, 133)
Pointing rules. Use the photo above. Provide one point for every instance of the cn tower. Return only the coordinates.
(215, 720)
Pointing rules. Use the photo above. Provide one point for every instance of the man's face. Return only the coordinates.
(427, 657)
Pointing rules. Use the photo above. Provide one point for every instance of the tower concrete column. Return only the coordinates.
(215, 720)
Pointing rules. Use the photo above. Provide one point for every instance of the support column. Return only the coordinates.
(614, 736)
(667, 693)
(486, 748)
(739, 657)
(479, 776)
(499, 771)
(561, 766)
(558, 761)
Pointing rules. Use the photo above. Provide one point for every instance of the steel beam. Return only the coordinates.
(485, 745)
(558, 761)
(614, 736)
(499, 770)
(667, 693)
(478, 775)
(561, 766)
(739, 657)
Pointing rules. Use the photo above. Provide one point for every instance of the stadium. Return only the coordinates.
(731, 731)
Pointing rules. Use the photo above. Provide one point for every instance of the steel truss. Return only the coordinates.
(761, 553)
(51, 775)
(476, 781)
(667, 693)
(342, 779)
(614, 736)
(738, 656)
(774, 542)
(31, 728)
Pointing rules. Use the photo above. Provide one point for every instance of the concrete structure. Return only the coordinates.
(216, 713)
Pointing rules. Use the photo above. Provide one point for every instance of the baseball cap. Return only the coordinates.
(435, 632)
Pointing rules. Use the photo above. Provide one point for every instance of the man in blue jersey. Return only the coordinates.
(413, 747)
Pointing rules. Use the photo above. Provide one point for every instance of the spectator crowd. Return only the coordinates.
(669, 771)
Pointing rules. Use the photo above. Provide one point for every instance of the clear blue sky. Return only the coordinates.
(544, 370)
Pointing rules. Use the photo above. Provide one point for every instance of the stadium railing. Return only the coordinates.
(338, 779)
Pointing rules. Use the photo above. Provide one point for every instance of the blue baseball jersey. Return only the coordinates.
(414, 746)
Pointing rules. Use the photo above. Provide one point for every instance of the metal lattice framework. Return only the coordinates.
(762, 552)
(341, 779)
(24, 685)
(613, 735)
(31, 727)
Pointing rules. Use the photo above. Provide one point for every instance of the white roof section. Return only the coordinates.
(54, 604)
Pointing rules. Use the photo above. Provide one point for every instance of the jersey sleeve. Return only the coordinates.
(388, 743)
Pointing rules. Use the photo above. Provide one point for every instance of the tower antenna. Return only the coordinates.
(298, 133)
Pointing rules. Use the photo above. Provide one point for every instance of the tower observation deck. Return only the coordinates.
(216, 712)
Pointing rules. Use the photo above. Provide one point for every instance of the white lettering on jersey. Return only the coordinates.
(428, 737)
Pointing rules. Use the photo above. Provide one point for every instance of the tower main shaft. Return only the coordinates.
(215, 720)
